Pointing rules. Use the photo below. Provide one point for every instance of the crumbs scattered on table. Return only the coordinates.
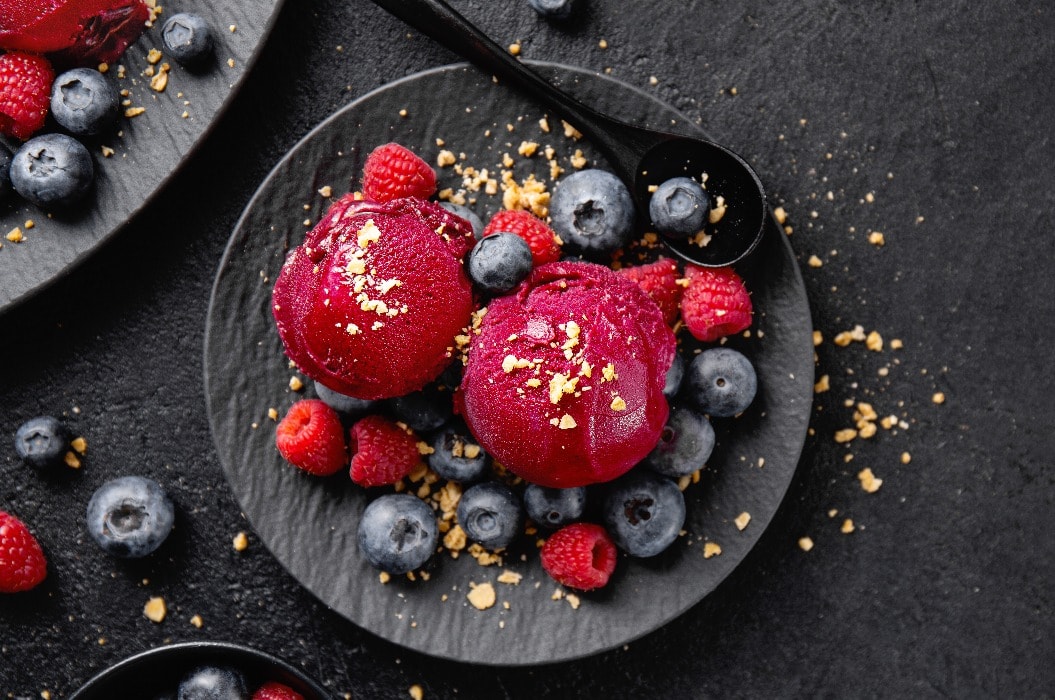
(240, 542)
(805, 544)
(481, 595)
(155, 609)
(869, 481)
(197, 621)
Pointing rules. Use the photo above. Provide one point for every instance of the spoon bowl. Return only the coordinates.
(642, 158)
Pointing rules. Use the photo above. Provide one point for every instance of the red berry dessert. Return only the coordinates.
(311, 437)
(393, 171)
(25, 93)
(716, 303)
(76, 32)
(539, 237)
(383, 452)
(660, 280)
(564, 383)
(581, 555)
(22, 563)
(369, 305)
(276, 691)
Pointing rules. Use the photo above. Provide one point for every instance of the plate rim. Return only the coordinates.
(181, 648)
(237, 235)
(136, 213)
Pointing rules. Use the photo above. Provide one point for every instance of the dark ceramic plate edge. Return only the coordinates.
(145, 203)
(774, 230)
(189, 653)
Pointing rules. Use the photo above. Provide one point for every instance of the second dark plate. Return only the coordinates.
(310, 525)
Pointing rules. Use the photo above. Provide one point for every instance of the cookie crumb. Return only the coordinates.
(603, 44)
(938, 398)
(240, 542)
(845, 435)
(295, 384)
(326, 191)
(869, 482)
(481, 596)
(814, 261)
(79, 444)
(711, 549)
(14, 235)
(510, 578)
(742, 520)
(71, 461)
(134, 111)
(197, 621)
(906, 458)
(514, 48)
(805, 544)
(415, 691)
(384, 577)
(847, 527)
(877, 239)
(874, 342)
(155, 609)
(573, 601)
(823, 384)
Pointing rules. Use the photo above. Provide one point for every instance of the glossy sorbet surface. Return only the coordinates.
(564, 383)
(370, 303)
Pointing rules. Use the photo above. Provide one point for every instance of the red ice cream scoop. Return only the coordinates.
(564, 383)
(76, 32)
(370, 304)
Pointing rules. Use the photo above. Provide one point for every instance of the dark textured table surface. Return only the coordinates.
(929, 123)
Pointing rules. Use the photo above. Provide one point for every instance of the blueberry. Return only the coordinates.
(644, 513)
(490, 514)
(552, 9)
(84, 102)
(457, 456)
(188, 38)
(213, 683)
(53, 170)
(5, 173)
(554, 507)
(469, 215)
(722, 382)
(423, 410)
(346, 405)
(499, 262)
(42, 442)
(398, 533)
(679, 208)
(130, 516)
(684, 445)
(674, 377)
(592, 211)
(451, 378)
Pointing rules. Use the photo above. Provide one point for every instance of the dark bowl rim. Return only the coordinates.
(187, 648)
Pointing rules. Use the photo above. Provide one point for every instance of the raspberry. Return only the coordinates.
(580, 556)
(73, 32)
(25, 93)
(716, 303)
(311, 437)
(392, 171)
(383, 452)
(276, 691)
(22, 563)
(660, 281)
(543, 242)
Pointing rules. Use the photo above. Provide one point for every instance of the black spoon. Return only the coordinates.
(642, 158)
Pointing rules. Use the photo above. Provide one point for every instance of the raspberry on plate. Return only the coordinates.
(393, 171)
(660, 281)
(581, 556)
(22, 563)
(544, 244)
(716, 303)
(25, 93)
(383, 452)
(276, 691)
(311, 437)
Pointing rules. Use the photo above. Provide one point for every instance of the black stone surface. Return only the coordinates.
(933, 111)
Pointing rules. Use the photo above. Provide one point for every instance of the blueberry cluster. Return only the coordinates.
(54, 171)
(644, 511)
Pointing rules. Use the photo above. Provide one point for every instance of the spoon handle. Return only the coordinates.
(438, 20)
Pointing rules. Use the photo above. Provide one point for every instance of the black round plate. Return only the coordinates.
(310, 524)
(155, 672)
(147, 152)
